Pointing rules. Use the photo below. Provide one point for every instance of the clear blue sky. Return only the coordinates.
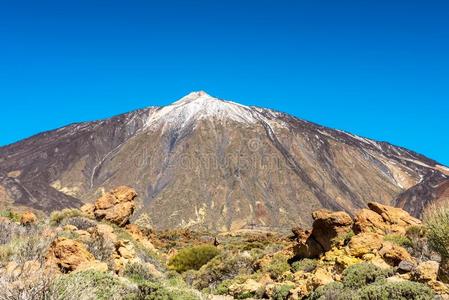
(375, 68)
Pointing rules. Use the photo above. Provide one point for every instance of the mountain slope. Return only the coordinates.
(207, 162)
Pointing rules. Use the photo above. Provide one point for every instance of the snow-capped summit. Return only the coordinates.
(200, 105)
(194, 96)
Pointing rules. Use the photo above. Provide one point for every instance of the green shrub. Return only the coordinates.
(398, 239)
(57, 217)
(91, 285)
(281, 292)
(395, 291)
(277, 266)
(360, 275)
(331, 291)
(343, 238)
(305, 265)
(173, 288)
(192, 258)
(437, 229)
(137, 271)
(380, 290)
(223, 287)
(222, 267)
(15, 217)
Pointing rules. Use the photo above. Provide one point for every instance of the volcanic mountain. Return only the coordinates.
(210, 163)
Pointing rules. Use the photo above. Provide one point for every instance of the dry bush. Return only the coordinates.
(21, 244)
(57, 217)
(8, 231)
(101, 248)
(82, 223)
(436, 218)
(28, 281)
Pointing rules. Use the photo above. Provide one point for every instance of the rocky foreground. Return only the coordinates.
(96, 253)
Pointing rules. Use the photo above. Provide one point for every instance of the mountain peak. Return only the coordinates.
(193, 96)
(200, 105)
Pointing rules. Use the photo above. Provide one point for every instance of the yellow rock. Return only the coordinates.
(427, 271)
(364, 243)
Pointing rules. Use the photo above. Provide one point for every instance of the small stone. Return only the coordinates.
(405, 266)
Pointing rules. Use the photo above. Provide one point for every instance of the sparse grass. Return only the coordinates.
(398, 239)
(305, 265)
(281, 292)
(82, 223)
(137, 271)
(57, 217)
(92, 285)
(436, 220)
(277, 266)
(15, 217)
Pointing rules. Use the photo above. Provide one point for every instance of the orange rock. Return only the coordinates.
(393, 215)
(118, 214)
(328, 227)
(368, 221)
(28, 218)
(106, 201)
(116, 206)
(88, 210)
(68, 254)
(394, 254)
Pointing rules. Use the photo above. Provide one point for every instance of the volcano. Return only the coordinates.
(208, 163)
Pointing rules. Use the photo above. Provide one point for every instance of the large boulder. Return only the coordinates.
(383, 219)
(116, 206)
(426, 271)
(68, 254)
(394, 254)
(328, 229)
(365, 243)
(368, 221)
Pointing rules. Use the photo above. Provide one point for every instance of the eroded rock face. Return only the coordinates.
(116, 206)
(328, 228)
(383, 219)
(68, 254)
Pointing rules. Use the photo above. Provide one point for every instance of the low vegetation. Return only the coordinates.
(437, 231)
(192, 258)
(71, 256)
